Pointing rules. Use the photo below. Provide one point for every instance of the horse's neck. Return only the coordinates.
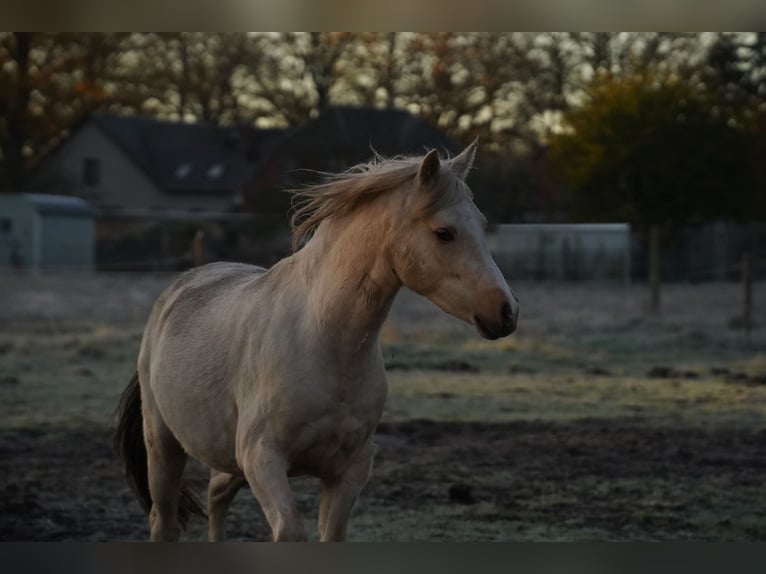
(350, 284)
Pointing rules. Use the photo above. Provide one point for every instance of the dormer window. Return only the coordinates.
(183, 171)
(215, 171)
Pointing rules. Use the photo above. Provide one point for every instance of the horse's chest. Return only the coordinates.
(326, 441)
(325, 446)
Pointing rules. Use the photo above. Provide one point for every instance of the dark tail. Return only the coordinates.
(131, 450)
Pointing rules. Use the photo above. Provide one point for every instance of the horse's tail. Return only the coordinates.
(131, 450)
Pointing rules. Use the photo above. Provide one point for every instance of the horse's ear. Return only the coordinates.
(428, 172)
(462, 164)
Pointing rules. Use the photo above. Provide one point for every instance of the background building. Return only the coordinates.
(45, 232)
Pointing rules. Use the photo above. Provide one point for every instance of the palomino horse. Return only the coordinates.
(265, 374)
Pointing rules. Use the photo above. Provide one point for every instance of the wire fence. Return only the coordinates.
(758, 267)
(186, 260)
(543, 262)
(162, 263)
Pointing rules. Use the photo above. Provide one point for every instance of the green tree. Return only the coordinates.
(655, 149)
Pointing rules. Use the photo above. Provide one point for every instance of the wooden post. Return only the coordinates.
(626, 257)
(198, 249)
(654, 266)
(747, 291)
(720, 251)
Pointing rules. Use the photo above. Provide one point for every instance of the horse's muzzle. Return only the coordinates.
(503, 326)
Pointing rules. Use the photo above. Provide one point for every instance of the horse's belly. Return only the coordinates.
(204, 425)
(218, 452)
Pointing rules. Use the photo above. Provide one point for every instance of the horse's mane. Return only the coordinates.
(341, 193)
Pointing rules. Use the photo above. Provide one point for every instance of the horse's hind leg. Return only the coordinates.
(166, 460)
(221, 491)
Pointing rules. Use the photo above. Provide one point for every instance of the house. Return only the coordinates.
(154, 183)
(45, 232)
(338, 138)
(115, 161)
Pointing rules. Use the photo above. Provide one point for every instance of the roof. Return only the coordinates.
(388, 131)
(188, 157)
(352, 132)
(59, 204)
(340, 137)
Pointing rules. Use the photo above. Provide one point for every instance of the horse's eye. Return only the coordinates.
(444, 235)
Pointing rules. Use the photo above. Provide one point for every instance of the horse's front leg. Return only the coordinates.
(339, 495)
(266, 472)
(221, 491)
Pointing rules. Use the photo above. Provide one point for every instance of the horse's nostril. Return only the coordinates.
(506, 312)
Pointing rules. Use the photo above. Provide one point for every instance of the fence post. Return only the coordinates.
(626, 259)
(198, 249)
(720, 251)
(747, 291)
(654, 266)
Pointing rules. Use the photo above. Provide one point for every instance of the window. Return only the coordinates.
(91, 171)
(215, 171)
(183, 171)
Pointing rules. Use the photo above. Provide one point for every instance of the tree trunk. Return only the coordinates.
(13, 143)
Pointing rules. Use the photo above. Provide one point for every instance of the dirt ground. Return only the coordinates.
(595, 421)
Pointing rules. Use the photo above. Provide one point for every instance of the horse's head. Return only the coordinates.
(441, 251)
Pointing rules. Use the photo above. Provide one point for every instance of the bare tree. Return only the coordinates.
(47, 83)
(14, 108)
(298, 72)
(194, 75)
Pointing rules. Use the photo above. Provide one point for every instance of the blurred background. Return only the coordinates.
(624, 178)
(157, 136)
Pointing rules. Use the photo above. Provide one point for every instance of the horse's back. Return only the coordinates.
(198, 288)
(209, 279)
(198, 304)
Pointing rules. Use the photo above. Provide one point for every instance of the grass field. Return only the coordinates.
(594, 421)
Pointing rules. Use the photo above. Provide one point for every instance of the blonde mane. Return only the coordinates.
(342, 193)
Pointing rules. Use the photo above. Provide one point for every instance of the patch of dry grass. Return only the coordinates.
(707, 402)
(580, 351)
